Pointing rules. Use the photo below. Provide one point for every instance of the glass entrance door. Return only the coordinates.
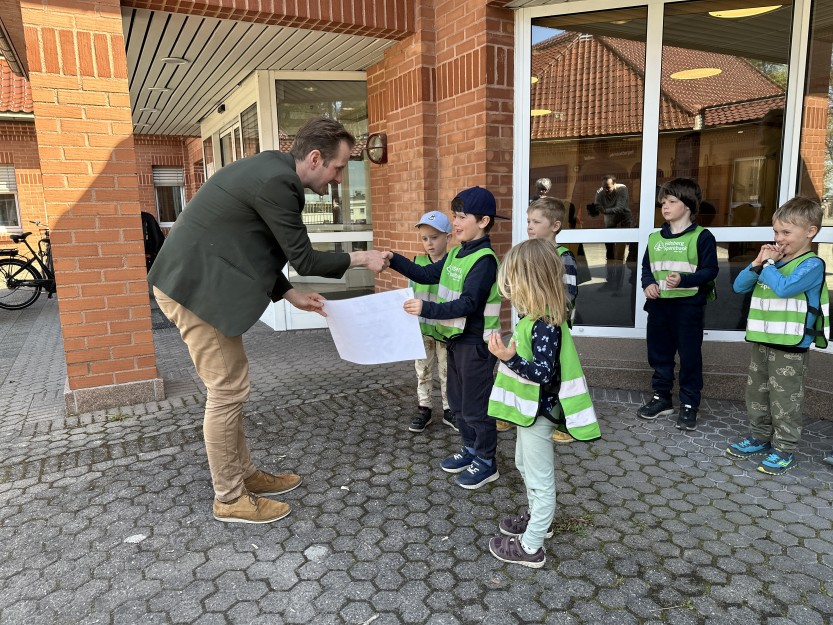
(341, 219)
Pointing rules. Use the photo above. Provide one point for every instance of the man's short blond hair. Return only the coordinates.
(801, 211)
(552, 209)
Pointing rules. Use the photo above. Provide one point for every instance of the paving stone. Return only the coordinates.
(660, 527)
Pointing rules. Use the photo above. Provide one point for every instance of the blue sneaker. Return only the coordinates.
(477, 474)
(777, 463)
(748, 447)
(458, 462)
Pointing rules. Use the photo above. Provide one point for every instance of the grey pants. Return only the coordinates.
(775, 396)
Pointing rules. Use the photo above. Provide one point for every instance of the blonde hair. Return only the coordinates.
(552, 209)
(531, 276)
(801, 211)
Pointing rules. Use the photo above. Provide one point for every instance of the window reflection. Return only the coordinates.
(816, 148)
(607, 276)
(586, 114)
(723, 89)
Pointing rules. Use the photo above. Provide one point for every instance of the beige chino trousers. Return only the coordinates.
(222, 365)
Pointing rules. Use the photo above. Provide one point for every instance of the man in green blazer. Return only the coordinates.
(219, 268)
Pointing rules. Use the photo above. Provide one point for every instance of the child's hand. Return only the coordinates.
(497, 348)
(652, 291)
(672, 280)
(413, 307)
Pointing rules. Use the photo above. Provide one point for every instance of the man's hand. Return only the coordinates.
(672, 280)
(498, 349)
(413, 307)
(311, 302)
(652, 291)
(374, 260)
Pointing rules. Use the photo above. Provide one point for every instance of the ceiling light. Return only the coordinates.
(159, 89)
(175, 60)
(310, 89)
(148, 109)
(620, 22)
(738, 13)
(533, 80)
(539, 112)
(695, 74)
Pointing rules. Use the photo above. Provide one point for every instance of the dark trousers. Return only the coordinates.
(676, 329)
(471, 373)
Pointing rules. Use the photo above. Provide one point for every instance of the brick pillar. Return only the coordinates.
(78, 75)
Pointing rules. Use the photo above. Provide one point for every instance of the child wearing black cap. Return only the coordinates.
(466, 313)
(678, 272)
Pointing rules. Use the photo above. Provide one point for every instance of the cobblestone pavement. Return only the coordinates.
(105, 517)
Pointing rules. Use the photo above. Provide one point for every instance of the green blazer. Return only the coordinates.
(224, 257)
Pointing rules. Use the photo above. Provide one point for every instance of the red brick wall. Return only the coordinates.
(81, 99)
(445, 98)
(165, 151)
(19, 147)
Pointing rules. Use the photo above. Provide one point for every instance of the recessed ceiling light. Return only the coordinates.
(539, 112)
(695, 74)
(148, 109)
(310, 89)
(159, 89)
(734, 14)
(620, 22)
(175, 60)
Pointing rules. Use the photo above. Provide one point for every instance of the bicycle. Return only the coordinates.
(21, 282)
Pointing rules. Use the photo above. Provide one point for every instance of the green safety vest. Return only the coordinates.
(516, 399)
(678, 254)
(569, 281)
(427, 293)
(783, 320)
(453, 276)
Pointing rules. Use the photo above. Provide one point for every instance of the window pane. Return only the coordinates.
(607, 277)
(168, 203)
(208, 156)
(723, 89)
(248, 125)
(357, 281)
(226, 150)
(586, 114)
(730, 309)
(816, 162)
(347, 206)
(8, 211)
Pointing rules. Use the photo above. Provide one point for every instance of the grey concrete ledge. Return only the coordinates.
(113, 395)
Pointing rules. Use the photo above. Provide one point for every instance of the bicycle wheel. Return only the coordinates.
(13, 294)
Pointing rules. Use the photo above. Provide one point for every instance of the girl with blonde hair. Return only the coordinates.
(538, 379)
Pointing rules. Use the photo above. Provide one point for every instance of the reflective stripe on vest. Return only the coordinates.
(426, 293)
(517, 399)
(783, 320)
(678, 255)
(450, 288)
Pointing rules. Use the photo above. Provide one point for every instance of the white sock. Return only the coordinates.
(527, 549)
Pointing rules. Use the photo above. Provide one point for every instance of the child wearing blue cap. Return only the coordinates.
(434, 232)
(467, 313)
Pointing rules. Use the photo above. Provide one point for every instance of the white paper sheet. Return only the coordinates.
(374, 329)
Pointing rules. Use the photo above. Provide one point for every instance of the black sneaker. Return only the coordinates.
(421, 419)
(688, 418)
(450, 419)
(657, 407)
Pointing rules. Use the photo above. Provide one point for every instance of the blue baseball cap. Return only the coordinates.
(478, 201)
(436, 220)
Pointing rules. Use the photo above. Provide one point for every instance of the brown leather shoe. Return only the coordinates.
(250, 508)
(503, 426)
(265, 484)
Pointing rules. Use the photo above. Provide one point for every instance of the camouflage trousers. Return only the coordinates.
(425, 372)
(775, 395)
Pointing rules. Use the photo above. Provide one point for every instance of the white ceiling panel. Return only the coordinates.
(220, 54)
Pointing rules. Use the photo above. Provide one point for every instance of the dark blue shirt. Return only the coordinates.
(546, 340)
(476, 288)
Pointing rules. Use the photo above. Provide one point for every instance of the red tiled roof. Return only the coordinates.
(738, 112)
(285, 144)
(594, 86)
(15, 94)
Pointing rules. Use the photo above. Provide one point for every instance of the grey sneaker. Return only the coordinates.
(516, 525)
(421, 420)
(508, 549)
(657, 407)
